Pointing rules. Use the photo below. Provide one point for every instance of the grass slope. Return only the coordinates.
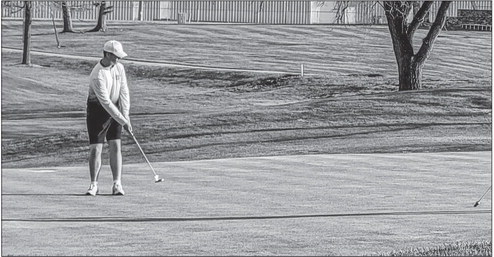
(351, 106)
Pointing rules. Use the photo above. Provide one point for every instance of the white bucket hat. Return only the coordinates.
(115, 48)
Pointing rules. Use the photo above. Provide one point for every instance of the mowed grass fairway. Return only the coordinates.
(288, 205)
(257, 160)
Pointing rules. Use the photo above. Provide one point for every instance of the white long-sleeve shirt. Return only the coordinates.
(108, 85)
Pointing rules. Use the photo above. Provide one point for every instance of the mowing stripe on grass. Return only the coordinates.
(164, 219)
(160, 63)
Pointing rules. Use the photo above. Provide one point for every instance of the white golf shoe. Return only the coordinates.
(92, 190)
(117, 189)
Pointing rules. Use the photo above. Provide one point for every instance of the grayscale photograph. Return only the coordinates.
(246, 128)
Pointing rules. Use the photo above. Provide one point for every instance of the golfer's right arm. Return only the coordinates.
(101, 92)
(124, 97)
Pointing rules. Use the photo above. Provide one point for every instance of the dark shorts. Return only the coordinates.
(100, 124)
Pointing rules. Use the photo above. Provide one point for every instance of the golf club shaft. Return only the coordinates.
(485, 193)
(143, 154)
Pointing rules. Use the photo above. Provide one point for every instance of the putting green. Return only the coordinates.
(344, 204)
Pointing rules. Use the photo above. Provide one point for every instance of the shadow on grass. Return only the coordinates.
(83, 194)
(7, 194)
(58, 195)
(164, 219)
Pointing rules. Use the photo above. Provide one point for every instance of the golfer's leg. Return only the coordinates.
(95, 151)
(116, 159)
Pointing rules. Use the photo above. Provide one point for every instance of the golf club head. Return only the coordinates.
(476, 204)
(157, 179)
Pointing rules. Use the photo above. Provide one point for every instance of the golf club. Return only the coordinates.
(157, 179)
(478, 202)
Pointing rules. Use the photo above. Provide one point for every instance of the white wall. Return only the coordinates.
(322, 12)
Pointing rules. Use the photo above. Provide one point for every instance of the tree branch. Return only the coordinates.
(376, 3)
(397, 13)
(436, 27)
(14, 7)
(419, 18)
(340, 7)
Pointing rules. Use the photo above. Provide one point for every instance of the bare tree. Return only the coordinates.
(340, 8)
(26, 6)
(12, 6)
(259, 11)
(398, 14)
(103, 11)
(139, 15)
(67, 18)
(54, 26)
(26, 53)
(410, 63)
(67, 8)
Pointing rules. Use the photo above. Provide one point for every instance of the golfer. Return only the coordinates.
(107, 112)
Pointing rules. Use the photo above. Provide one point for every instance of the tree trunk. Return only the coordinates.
(410, 74)
(101, 25)
(67, 18)
(26, 54)
(139, 17)
(409, 63)
(259, 10)
(403, 49)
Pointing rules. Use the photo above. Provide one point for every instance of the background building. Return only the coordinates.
(257, 12)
